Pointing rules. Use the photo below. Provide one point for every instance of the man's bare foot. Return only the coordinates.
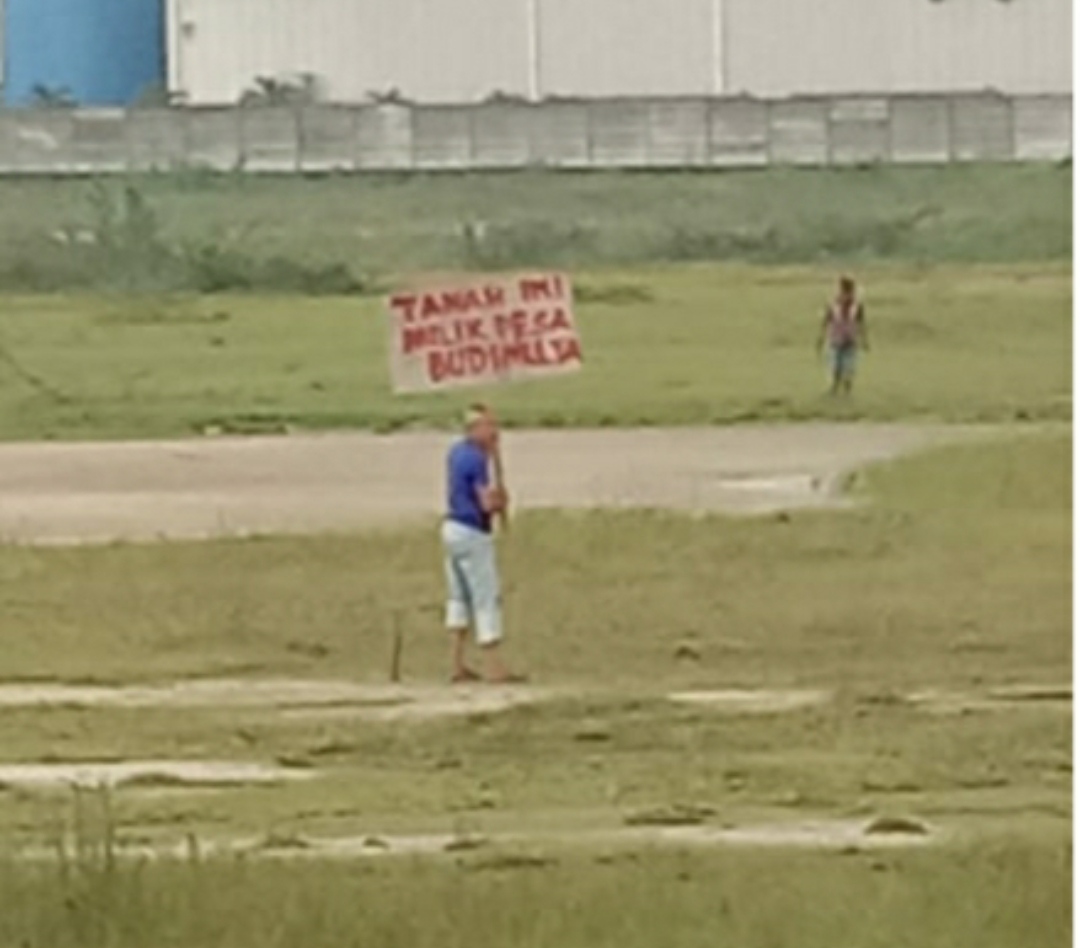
(464, 676)
(507, 678)
(495, 671)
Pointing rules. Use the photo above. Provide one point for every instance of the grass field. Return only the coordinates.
(955, 575)
(967, 545)
(678, 345)
(223, 228)
(952, 575)
(995, 896)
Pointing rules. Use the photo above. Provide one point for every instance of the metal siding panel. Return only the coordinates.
(441, 51)
(105, 52)
(607, 48)
(430, 51)
(781, 47)
(799, 47)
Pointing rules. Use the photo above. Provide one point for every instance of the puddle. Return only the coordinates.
(144, 774)
(294, 698)
(752, 702)
(788, 484)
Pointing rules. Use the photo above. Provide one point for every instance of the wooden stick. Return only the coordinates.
(500, 482)
(396, 649)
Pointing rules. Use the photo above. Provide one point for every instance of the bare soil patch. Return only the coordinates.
(146, 774)
(102, 492)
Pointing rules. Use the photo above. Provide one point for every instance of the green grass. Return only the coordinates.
(384, 224)
(954, 574)
(959, 568)
(913, 591)
(1011, 894)
(682, 345)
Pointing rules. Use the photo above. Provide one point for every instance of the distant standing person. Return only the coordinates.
(474, 599)
(844, 329)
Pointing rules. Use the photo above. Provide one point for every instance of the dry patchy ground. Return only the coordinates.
(67, 493)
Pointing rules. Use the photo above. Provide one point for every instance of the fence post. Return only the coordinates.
(1014, 142)
(471, 126)
(770, 157)
(183, 116)
(129, 154)
(590, 144)
(412, 136)
(890, 119)
(354, 138)
(532, 110)
(710, 102)
(299, 133)
(950, 128)
(240, 131)
(830, 158)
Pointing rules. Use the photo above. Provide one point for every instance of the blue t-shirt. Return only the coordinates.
(466, 476)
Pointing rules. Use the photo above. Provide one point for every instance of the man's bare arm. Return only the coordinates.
(822, 332)
(493, 499)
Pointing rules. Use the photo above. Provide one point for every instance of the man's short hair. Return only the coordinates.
(476, 412)
(847, 284)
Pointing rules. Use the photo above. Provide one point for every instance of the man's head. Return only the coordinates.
(847, 290)
(481, 426)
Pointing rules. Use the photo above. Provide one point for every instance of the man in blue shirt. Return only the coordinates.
(472, 575)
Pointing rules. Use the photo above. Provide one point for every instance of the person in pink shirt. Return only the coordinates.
(844, 331)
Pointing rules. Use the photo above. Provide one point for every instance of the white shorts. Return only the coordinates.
(472, 579)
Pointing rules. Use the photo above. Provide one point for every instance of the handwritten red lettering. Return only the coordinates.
(487, 332)
(539, 289)
(567, 350)
(405, 305)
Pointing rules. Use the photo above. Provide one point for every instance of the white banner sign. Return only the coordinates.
(502, 329)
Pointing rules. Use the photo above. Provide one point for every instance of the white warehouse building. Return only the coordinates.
(457, 51)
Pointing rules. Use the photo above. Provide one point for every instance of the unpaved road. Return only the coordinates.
(95, 493)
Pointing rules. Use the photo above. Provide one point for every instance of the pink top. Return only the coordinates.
(843, 323)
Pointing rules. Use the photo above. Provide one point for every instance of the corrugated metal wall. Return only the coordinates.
(432, 50)
(621, 47)
(464, 50)
(780, 47)
(99, 52)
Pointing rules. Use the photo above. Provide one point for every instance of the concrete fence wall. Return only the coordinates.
(615, 133)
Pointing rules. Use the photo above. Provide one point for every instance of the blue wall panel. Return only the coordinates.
(102, 52)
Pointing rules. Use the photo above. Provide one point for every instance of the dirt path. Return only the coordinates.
(318, 698)
(72, 493)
